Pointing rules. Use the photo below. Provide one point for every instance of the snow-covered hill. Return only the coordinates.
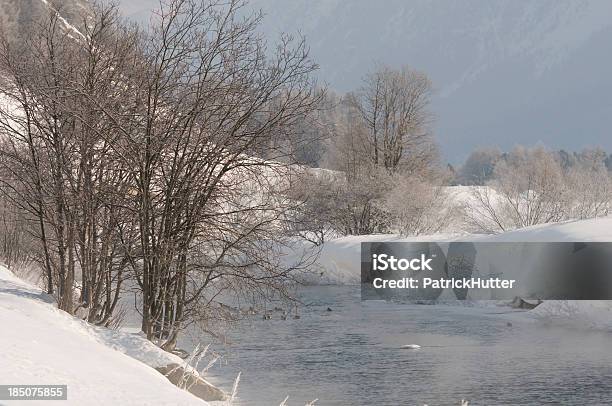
(41, 345)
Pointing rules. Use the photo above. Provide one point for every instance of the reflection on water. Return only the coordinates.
(351, 356)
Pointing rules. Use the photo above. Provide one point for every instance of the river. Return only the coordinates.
(351, 356)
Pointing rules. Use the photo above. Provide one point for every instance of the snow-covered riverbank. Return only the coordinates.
(340, 264)
(41, 345)
(340, 259)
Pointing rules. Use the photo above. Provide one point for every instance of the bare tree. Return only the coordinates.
(209, 100)
(16, 243)
(37, 145)
(106, 50)
(479, 166)
(588, 190)
(166, 152)
(393, 106)
(380, 135)
(57, 156)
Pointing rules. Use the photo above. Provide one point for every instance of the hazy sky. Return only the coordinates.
(504, 71)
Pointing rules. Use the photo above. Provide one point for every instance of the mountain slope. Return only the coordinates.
(17, 15)
(505, 71)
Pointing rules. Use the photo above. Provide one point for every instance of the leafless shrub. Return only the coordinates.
(317, 218)
(486, 212)
(525, 190)
(418, 207)
(530, 186)
(588, 191)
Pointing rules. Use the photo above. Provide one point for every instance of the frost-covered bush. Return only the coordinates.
(531, 186)
(371, 201)
(418, 207)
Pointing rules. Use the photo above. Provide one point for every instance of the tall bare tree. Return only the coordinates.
(210, 98)
(394, 108)
(165, 155)
(57, 157)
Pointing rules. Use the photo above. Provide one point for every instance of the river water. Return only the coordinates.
(351, 356)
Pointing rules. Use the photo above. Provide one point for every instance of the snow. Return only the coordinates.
(44, 345)
(340, 259)
(339, 263)
(410, 347)
(584, 314)
(65, 22)
(599, 229)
